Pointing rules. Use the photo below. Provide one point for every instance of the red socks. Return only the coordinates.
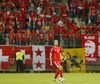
(56, 74)
(61, 73)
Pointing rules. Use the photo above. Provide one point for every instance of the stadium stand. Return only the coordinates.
(39, 22)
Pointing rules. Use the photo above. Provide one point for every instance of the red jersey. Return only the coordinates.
(78, 35)
(86, 4)
(93, 11)
(25, 37)
(11, 17)
(5, 18)
(56, 53)
(11, 36)
(18, 36)
(71, 35)
(63, 15)
(31, 16)
(33, 36)
(20, 18)
(64, 33)
(55, 19)
(45, 1)
(9, 27)
(67, 22)
(41, 36)
(39, 22)
(50, 35)
(56, 29)
(62, 8)
(72, 6)
(48, 17)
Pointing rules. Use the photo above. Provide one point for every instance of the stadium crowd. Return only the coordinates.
(41, 21)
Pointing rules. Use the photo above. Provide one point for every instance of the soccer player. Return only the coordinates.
(55, 52)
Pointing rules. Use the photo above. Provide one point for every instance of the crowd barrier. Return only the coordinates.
(37, 59)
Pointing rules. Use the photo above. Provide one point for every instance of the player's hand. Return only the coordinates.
(64, 58)
(50, 64)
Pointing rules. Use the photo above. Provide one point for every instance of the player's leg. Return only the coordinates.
(56, 74)
(60, 71)
(61, 74)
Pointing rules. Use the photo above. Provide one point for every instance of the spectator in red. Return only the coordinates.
(66, 21)
(9, 26)
(20, 19)
(4, 4)
(18, 37)
(83, 16)
(57, 32)
(49, 5)
(62, 7)
(72, 8)
(11, 4)
(86, 4)
(31, 19)
(65, 36)
(75, 27)
(95, 3)
(23, 5)
(2, 29)
(23, 12)
(45, 3)
(94, 14)
(43, 18)
(33, 37)
(71, 37)
(48, 18)
(79, 9)
(54, 19)
(78, 39)
(16, 12)
(50, 37)
(19, 27)
(64, 14)
(41, 37)
(12, 17)
(25, 38)
(11, 37)
(5, 18)
(38, 23)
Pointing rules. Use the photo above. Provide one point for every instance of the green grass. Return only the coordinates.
(46, 78)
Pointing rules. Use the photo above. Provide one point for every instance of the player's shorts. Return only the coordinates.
(57, 63)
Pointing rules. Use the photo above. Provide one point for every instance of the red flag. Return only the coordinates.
(27, 51)
(41, 61)
(90, 43)
(47, 53)
(5, 56)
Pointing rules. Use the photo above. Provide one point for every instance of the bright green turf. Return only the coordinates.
(46, 78)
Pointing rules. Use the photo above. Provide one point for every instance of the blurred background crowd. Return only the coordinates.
(39, 22)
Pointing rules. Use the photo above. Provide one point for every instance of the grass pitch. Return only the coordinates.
(46, 78)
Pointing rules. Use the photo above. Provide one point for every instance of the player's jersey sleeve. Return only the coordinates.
(51, 52)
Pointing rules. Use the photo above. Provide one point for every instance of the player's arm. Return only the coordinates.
(50, 59)
(63, 55)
